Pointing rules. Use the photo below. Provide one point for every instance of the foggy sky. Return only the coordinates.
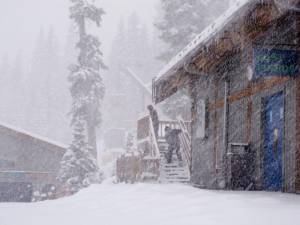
(21, 21)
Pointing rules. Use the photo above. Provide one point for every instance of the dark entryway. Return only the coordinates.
(15, 192)
(273, 142)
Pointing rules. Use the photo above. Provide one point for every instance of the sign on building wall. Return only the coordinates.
(275, 62)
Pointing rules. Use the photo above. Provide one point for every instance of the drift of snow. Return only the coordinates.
(203, 36)
(148, 204)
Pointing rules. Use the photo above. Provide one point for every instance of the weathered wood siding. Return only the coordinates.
(245, 111)
(29, 155)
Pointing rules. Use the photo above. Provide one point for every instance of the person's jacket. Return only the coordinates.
(154, 117)
(172, 136)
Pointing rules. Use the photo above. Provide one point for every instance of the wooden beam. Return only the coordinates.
(250, 91)
(249, 119)
(215, 130)
(164, 88)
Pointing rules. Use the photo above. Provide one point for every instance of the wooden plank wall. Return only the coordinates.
(297, 181)
(249, 91)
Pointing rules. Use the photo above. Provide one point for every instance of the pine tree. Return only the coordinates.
(4, 73)
(16, 76)
(4, 66)
(39, 57)
(35, 115)
(182, 20)
(130, 49)
(115, 99)
(78, 167)
(52, 53)
(117, 60)
(139, 51)
(70, 53)
(49, 80)
(129, 142)
(57, 99)
(87, 89)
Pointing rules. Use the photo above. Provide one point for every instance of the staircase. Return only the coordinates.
(156, 148)
(173, 172)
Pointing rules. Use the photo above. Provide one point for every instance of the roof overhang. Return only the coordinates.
(231, 32)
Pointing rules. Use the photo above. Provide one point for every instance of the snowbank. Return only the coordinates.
(150, 204)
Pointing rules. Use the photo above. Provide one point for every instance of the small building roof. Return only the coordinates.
(27, 134)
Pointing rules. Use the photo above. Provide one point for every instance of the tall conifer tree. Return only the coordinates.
(79, 166)
(87, 87)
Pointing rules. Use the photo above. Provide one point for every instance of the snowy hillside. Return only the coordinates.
(145, 204)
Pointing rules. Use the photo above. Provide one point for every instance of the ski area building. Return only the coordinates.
(28, 163)
(244, 84)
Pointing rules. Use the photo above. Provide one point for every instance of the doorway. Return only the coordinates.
(273, 142)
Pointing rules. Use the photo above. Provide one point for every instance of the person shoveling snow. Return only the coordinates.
(172, 138)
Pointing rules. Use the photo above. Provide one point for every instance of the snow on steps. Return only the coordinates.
(173, 172)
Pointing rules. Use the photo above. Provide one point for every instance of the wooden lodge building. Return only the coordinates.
(243, 77)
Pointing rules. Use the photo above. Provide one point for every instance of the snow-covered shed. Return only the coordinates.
(243, 77)
(28, 163)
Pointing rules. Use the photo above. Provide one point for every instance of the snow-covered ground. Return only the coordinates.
(145, 204)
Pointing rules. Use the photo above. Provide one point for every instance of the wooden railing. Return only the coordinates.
(155, 153)
(146, 165)
(132, 168)
(185, 139)
(129, 168)
(173, 125)
(185, 136)
(146, 137)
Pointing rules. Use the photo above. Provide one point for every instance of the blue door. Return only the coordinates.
(273, 143)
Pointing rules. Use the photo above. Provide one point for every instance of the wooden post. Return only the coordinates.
(226, 159)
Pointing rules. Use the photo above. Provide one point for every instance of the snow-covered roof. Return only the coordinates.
(35, 136)
(202, 38)
(25, 172)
